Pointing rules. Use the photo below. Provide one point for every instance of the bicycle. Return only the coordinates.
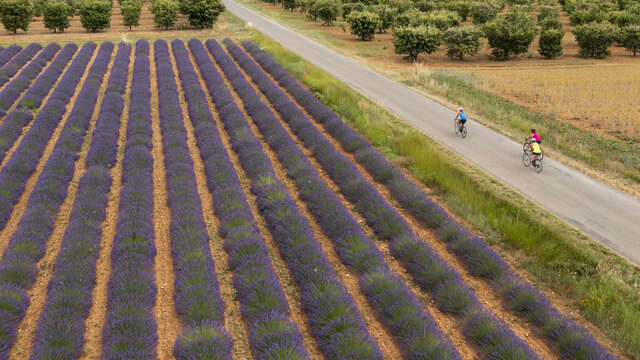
(537, 163)
(458, 129)
(526, 146)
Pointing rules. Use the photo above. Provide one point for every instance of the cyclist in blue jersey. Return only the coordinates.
(461, 118)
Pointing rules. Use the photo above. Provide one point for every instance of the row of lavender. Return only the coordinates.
(16, 63)
(572, 340)
(263, 303)
(197, 294)
(27, 246)
(394, 302)
(61, 326)
(11, 127)
(23, 163)
(20, 83)
(448, 290)
(130, 329)
(334, 319)
(9, 52)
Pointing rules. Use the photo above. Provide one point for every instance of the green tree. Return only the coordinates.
(630, 38)
(442, 19)
(462, 40)
(595, 39)
(205, 13)
(131, 12)
(482, 12)
(550, 43)
(56, 15)
(363, 24)
(387, 16)
(16, 14)
(291, 5)
(95, 15)
(510, 33)
(463, 8)
(165, 13)
(326, 10)
(412, 41)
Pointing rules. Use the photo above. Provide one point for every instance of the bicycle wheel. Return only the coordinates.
(538, 166)
(541, 154)
(463, 132)
(526, 160)
(456, 128)
(525, 146)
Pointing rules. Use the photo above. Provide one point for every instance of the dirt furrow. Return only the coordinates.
(291, 291)
(169, 324)
(25, 129)
(390, 349)
(234, 323)
(21, 204)
(97, 314)
(485, 293)
(38, 293)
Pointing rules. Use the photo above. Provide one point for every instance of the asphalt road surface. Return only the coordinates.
(606, 214)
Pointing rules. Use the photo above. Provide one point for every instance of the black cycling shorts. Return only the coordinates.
(462, 120)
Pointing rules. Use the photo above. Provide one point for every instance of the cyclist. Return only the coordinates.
(535, 136)
(535, 151)
(461, 118)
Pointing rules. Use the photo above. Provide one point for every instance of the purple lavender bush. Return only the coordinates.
(17, 62)
(14, 89)
(9, 52)
(24, 161)
(449, 291)
(28, 243)
(572, 340)
(130, 329)
(263, 304)
(407, 317)
(197, 294)
(62, 322)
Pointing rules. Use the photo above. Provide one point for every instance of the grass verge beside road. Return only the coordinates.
(602, 286)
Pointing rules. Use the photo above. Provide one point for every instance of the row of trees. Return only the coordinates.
(95, 15)
(422, 26)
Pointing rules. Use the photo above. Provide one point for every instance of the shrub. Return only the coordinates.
(56, 15)
(411, 41)
(363, 24)
(38, 7)
(165, 13)
(550, 23)
(205, 13)
(412, 17)
(442, 19)
(595, 39)
(95, 15)
(348, 8)
(624, 18)
(463, 8)
(131, 12)
(510, 33)
(186, 6)
(461, 41)
(426, 5)
(482, 12)
(387, 16)
(16, 14)
(291, 5)
(326, 10)
(548, 12)
(401, 5)
(550, 43)
(580, 17)
(630, 38)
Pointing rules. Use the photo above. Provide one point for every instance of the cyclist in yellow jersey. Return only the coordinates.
(535, 151)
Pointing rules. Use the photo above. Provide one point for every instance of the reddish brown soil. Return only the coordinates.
(38, 293)
(234, 322)
(95, 320)
(169, 324)
(291, 291)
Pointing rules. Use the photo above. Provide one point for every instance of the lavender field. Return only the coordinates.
(195, 201)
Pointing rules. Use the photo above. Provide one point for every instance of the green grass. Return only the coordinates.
(602, 286)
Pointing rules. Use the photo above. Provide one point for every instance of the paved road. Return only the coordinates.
(608, 215)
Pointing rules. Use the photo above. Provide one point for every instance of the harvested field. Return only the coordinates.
(191, 201)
